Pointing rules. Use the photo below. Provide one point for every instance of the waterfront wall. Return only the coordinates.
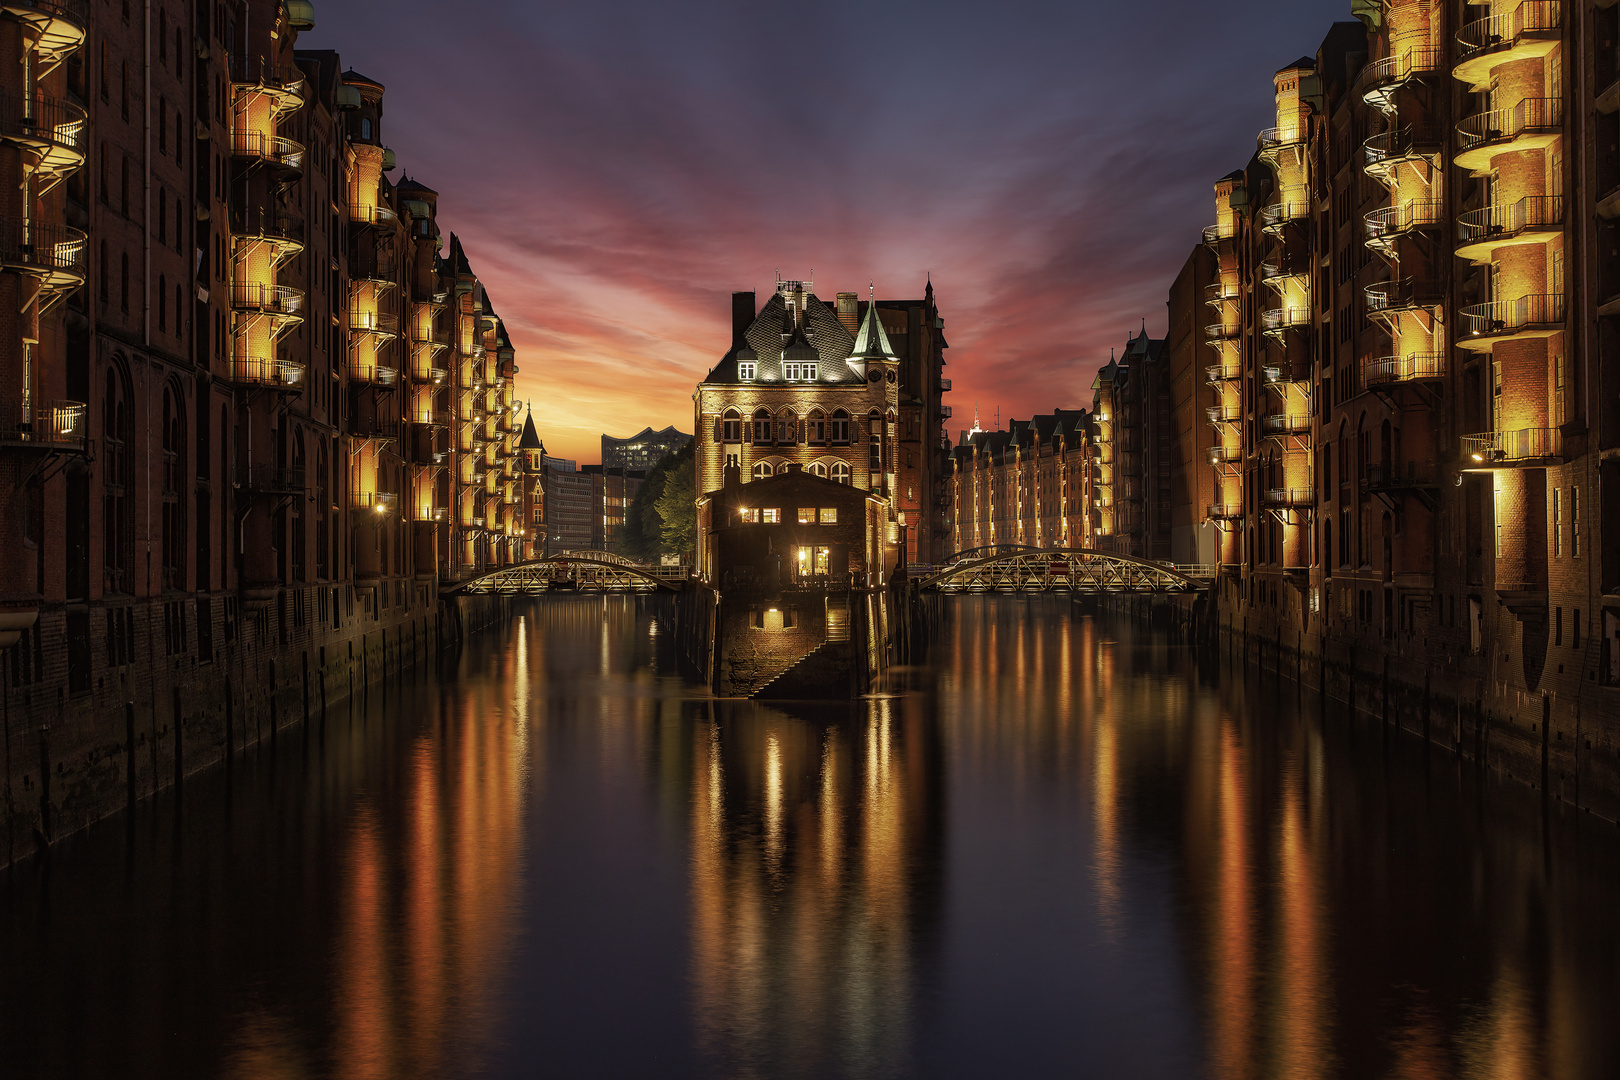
(73, 757)
(1562, 744)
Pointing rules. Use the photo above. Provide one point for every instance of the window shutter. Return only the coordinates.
(719, 429)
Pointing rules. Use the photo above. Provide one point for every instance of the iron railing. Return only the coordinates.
(1503, 31)
(59, 123)
(54, 249)
(1508, 316)
(1503, 125)
(273, 149)
(1508, 220)
(44, 424)
(267, 371)
(1522, 445)
(1409, 368)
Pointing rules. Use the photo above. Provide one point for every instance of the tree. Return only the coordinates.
(677, 508)
(642, 538)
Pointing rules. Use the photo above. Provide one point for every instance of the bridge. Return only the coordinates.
(574, 571)
(1020, 568)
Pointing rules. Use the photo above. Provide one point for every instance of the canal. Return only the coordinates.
(1066, 849)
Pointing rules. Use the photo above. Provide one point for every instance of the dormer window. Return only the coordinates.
(745, 370)
(799, 372)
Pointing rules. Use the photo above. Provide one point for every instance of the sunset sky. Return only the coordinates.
(616, 169)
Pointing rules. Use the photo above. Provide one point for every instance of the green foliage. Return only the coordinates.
(677, 509)
(643, 535)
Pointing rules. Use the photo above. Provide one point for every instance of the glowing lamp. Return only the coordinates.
(1477, 457)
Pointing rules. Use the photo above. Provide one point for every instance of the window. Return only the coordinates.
(840, 472)
(799, 372)
(813, 561)
(1574, 520)
(816, 428)
(748, 515)
(818, 468)
(771, 516)
(745, 370)
(829, 515)
(807, 515)
(731, 426)
(762, 427)
(840, 427)
(1558, 522)
(787, 429)
(762, 470)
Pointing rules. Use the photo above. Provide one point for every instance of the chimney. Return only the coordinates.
(742, 317)
(849, 311)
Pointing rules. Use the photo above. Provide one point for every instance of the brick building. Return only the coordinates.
(1032, 484)
(1414, 325)
(253, 418)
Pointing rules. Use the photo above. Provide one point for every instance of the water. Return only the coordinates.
(1070, 853)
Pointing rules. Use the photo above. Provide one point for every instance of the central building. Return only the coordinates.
(805, 387)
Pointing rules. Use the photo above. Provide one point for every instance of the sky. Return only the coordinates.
(616, 169)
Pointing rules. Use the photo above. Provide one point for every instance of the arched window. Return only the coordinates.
(116, 534)
(365, 127)
(840, 428)
(874, 425)
(840, 472)
(816, 430)
(818, 468)
(762, 470)
(787, 428)
(163, 294)
(731, 426)
(762, 426)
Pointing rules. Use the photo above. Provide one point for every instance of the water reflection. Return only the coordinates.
(1072, 851)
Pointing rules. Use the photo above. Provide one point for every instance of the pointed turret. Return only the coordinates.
(871, 343)
(529, 444)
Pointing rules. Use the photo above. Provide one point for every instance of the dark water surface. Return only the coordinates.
(1070, 854)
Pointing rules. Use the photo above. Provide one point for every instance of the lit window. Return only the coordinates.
(807, 515)
(773, 516)
(745, 370)
(762, 470)
(799, 372)
(840, 472)
(829, 515)
(748, 514)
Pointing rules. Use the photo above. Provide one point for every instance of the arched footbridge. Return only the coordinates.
(1017, 568)
(571, 571)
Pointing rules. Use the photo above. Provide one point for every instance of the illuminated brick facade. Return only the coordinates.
(1031, 484)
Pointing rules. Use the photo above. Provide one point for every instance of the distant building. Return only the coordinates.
(642, 450)
(1130, 414)
(569, 506)
(612, 491)
(1030, 484)
(533, 478)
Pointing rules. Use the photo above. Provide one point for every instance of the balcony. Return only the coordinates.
(1278, 320)
(1389, 223)
(1532, 124)
(1272, 142)
(1293, 498)
(1415, 476)
(1215, 234)
(284, 234)
(1221, 333)
(436, 514)
(378, 502)
(1224, 414)
(1529, 30)
(1534, 219)
(53, 135)
(53, 253)
(279, 300)
(1387, 299)
(945, 386)
(1285, 424)
(1226, 511)
(1388, 150)
(267, 372)
(1222, 292)
(1380, 79)
(283, 84)
(1220, 373)
(1414, 367)
(1526, 448)
(277, 151)
(384, 378)
(271, 480)
(1225, 455)
(47, 425)
(58, 25)
(381, 323)
(1279, 214)
(374, 216)
(1285, 376)
(373, 428)
(1483, 325)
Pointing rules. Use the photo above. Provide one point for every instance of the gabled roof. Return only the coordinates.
(771, 332)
